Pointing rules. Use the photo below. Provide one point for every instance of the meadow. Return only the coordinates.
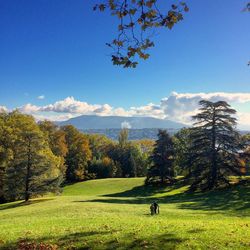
(114, 214)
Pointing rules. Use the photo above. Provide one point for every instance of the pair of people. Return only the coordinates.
(154, 208)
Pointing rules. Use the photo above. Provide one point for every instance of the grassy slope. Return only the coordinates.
(114, 213)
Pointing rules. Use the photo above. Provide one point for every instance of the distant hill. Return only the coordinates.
(86, 122)
(134, 134)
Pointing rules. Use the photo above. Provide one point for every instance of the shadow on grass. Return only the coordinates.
(146, 191)
(22, 203)
(234, 198)
(93, 240)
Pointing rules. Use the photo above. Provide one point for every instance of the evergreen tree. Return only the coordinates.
(132, 165)
(162, 169)
(182, 143)
(215, 149)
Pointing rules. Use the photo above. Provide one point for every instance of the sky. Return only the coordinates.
(54, 63)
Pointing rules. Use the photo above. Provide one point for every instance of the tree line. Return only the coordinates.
(37, 158)
(207, 154)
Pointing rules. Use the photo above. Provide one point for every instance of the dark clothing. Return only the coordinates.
(156, 208)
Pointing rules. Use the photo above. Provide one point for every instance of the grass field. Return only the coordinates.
(114, 214)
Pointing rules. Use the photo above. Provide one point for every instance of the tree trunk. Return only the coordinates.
(214, 160)
(27, 179)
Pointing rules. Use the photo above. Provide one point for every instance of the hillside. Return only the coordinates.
(116, 122)
(114, 214)
(134, 134)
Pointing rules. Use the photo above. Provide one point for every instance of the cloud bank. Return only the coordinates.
(176, 107)
(180, 107)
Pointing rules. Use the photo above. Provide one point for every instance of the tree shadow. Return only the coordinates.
(139, 191)
(22, 203)
(163, 241)
(235, 199)
(92, 240)
(146, 191)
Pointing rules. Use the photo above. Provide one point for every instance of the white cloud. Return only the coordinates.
(244, 120)
(180, 107)
(3, 109)
(126, 124)
(176, 107)
(105, 109)
(70, 105)
(29, 109)
(41, 97)
(148, 110)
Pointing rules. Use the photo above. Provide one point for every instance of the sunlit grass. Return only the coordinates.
(114, 214)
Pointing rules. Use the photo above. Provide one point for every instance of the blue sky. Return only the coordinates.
(56, 48)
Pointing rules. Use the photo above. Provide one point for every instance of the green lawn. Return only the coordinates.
(114, 214)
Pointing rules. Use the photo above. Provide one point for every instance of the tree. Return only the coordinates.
(79, 154)
(145, 145)
(5, 152)
(55, 137)
(104, 168)
(216, 147)
(128, 157)
(138, 22)
(138, 160)
(245, 156)
(99, 145)
(33, 169)
(162, 169)
(123, 138)
(132, 166)
(182, 144)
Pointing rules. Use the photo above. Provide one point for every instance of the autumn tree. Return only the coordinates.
(145, 145)
(55, 137)
(32, 169)
(6, 140)
(138, 21)
(56, 140)
(216, 146)
(99, 145)
(162, 169)
(123, 137)
(78, 155)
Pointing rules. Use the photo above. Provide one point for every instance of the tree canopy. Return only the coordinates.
(162, 169)
(138, 22)
(216, 146)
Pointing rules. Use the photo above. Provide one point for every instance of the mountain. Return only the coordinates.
(85, 122)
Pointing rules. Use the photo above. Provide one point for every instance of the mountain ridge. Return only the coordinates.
(118, 122)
